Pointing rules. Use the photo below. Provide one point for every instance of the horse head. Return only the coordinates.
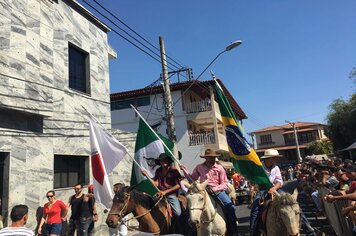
(196, 201)
(288, 211)
(120, 207)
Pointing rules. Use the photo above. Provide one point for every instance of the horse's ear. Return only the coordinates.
(295, 194)
(204, 184)
(186, 184)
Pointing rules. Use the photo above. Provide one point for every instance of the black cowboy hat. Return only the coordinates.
(161, 157)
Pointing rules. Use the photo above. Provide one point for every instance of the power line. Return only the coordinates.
(125, 38)
(152, 45)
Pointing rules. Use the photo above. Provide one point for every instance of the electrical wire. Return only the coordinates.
(152, 45)
(132, 43)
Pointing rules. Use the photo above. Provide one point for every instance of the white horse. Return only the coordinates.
(205, 214)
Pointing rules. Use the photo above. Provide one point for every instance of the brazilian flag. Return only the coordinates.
(245, 159)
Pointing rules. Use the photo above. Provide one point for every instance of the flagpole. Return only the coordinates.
(133, 159)
(175, 159)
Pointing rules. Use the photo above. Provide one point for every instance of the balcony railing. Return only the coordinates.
(200, 106)
(201, 139)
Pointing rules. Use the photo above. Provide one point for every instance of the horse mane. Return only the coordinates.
(139, 197)
(285, 199)
(195, 187)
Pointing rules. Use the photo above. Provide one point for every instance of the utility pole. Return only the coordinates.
(168, 99)
(252, 138)
(296, 140)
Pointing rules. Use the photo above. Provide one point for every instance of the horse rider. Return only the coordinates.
(167, 178)
(218, 183)
(270, 159)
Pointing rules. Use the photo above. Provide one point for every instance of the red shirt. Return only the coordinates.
(352, 187)
(169, 180)
(54, 213)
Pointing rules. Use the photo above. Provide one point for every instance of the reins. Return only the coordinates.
(136, 217)
(203, 209)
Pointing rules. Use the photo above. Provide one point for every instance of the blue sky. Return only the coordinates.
(295, 58)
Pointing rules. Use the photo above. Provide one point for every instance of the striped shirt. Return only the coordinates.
(16, 231)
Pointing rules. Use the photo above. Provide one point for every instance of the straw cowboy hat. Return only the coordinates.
(161, 157)
(210, 153)
(269, 153)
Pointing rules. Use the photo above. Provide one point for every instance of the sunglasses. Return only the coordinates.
(50, 196)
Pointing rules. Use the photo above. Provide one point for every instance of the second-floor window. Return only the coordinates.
(124, 104)
(266, 139)
(78, 65)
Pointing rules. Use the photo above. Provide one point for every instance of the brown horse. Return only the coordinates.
(153, 217)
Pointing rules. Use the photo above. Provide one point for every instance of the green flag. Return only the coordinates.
(148, 147)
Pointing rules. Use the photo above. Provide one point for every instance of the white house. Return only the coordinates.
(54, 61)
(282, 138)
(197, 116)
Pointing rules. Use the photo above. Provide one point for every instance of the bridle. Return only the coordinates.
(124, 208)
(122, 212)
(203, 209)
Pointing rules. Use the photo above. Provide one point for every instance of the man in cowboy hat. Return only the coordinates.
(167, 178)
(218, 182)
(270, 159)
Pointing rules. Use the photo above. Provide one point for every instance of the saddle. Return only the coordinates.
(215, 197)
(262, 216)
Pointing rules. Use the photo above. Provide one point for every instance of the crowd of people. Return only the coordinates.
(337, 175)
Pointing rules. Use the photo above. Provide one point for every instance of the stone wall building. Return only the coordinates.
(54, 60)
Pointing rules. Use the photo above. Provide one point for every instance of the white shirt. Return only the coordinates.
(16, 231)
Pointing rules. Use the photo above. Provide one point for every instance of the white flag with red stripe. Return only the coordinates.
(106, 153)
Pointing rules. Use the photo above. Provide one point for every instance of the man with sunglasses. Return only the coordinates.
(75, 202)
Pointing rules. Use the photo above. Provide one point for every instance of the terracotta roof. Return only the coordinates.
(197, 86)
(281, 148)
(299, 130)
(288, 126)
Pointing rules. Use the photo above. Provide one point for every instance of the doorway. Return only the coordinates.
(4, 185)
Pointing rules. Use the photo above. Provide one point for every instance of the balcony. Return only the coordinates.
(200, 106)
(201, 139)
(208, 139)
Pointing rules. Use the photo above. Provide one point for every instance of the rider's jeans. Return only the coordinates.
(175, 205)
(255, 209)
(230, 212)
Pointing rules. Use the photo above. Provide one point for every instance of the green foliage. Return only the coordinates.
(320, 147)
(342, 122)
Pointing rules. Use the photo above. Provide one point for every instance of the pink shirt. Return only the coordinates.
(215, 175)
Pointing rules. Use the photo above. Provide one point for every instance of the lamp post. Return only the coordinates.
(228, 48)
(296, 139)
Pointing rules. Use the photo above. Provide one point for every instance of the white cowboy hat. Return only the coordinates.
(270, 153)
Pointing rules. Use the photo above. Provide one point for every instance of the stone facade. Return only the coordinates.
(40, 115)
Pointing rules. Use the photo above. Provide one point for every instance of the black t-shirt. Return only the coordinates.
(76, 208)
(87, 208)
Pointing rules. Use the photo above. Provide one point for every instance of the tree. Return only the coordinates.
(320, 147)
(341, 121)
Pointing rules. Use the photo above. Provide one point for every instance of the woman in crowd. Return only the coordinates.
(53, 212)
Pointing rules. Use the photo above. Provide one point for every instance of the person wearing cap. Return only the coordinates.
(350, 194)
(218, 183)
(93, 212)
(167, 178)
(270, 159)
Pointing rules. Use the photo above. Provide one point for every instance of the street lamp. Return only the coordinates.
(228, 48)
(296, 139)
